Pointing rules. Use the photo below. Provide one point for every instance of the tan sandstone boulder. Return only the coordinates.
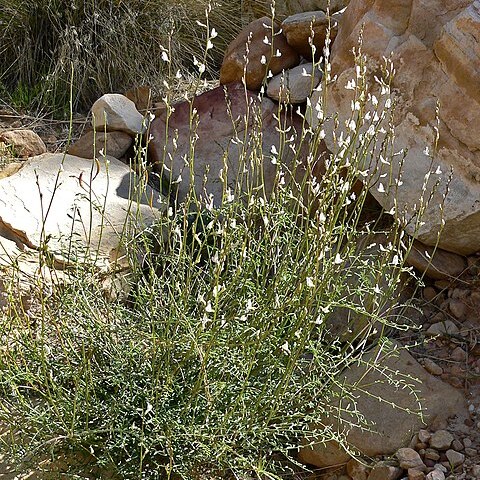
(298, 30)
(262, 55)
(435, 49)
(377, 392)
(23, 143)
(114, 144)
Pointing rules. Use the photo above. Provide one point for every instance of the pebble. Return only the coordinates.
(357, 470)
(409, 458)
(459, 355)
(443, 328)
(384, 471)
(435, 475)
(441, 440)
(432, 454)
(414, 474)
(424, 435)
(458, 308)
(441, 467)
(457, 445)
(431, 367)
(455, 458)
(467, 442)
(429, 293)
(476, 471)
(470, 452)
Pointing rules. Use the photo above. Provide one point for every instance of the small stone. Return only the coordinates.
(441, 440)
(455, 458)
(429, 463)
(432, 454)
(457, 445)
(424, 435)
(414, 474)
(23, 143)
(443, 468)
(294, 85)
(476, 471)
(443, 328)
(116, 112)
(357, 470)
(458, 355)
(409, 458)
(467, 442)
(384, 471)
(435, 475)
(431, 367)
(429, 294)
(470, 452)
(457, 308)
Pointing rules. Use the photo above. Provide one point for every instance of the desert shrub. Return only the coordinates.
(102, 46)
(223, 359)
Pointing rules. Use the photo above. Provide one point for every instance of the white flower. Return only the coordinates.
(310, 282)
(438, 171)
(381, 188)
(209, 45)
(266, 41)
(263, 60)
(286, 349)
(209, 308)
(165, 57)
(338, 259)
(213, 33)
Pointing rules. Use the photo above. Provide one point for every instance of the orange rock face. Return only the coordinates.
(436, 54)
(265, 48)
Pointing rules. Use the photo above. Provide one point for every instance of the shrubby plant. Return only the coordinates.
(223, 359)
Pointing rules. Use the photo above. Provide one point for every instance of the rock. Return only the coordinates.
(260, 58)
(458, 355)
(429, 294)
(384, 471)
(220, 142)
(476, 471)
(432, 454)
(423, 435)
(470, 452)
(441, 440)
(445, 328)
(414, 474)
(75, 227)
(284, 8)
(457, 445)
(294, 85)
(10, 169)
(437, 264)
(298, 31)
(435, 475)
(457, 308)
(432, 367)
(409, 459)
(455, 458)
(392, 426)
(23, 143)
(141, 97)
(356, 470)
(113, 144)
(436, 56)
(116, 112)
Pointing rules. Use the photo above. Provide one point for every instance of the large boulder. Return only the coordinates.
(390, 392)
(435, 51)
(264, 54)
(235, 138)
(72, 207)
